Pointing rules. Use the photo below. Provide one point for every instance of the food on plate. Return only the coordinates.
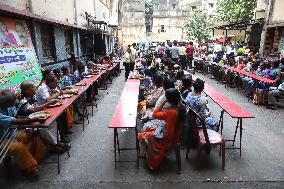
(80, 84)
(40, 115)
(56, 104)
(65, 96)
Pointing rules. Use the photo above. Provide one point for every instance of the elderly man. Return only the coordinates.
(28, 104)
(21, 147)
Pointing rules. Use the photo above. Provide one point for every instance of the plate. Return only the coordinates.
(74, 91)
(56, 104)
(65, 96)
(80, 84)
(40, 114)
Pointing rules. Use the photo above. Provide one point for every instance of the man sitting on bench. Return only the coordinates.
(26, 158)
(272, 94)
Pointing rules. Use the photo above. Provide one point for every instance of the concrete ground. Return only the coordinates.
(91, 163)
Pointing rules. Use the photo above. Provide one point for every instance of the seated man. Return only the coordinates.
(78, 76)
(272, 94)
(23, 148)
(28, 104)
(80, 73)
(46, 92)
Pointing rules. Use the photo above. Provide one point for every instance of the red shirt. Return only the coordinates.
(189, 50)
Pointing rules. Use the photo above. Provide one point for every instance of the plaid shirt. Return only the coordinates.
(66, 81)
(78, 76)
(43, 93)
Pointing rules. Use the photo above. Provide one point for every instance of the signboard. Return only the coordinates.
(18, 61)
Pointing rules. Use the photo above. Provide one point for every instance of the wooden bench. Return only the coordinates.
(231, 108)
(125, 117)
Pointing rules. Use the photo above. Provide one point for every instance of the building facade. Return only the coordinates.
(132, 21)
(169, 17)
(60, 28)
(273, 33)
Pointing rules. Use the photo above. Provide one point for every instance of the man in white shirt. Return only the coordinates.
(272, 94)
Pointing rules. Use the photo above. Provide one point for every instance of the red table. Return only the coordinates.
(125, 116)
(251, 75)
(234, 110)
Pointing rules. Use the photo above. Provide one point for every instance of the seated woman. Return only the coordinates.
(154, 123)
(199, 103)
(179, 76)
(186, 86)
(155, 93)
(156, 148)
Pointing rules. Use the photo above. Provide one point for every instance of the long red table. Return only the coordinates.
(57, 111)
(125, 116)
(234, 110)
(254, 76)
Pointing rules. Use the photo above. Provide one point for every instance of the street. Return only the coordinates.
(91, 163)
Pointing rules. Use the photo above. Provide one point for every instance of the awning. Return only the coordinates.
(29, 15)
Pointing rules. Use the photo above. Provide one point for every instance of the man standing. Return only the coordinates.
(175, 52)
(182, 56)
(189, 52)
(132, 56)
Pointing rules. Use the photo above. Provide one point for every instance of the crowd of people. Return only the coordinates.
(30, 145)
(166, 90)
(168, 87)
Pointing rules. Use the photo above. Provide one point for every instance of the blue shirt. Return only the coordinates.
(79, 76)
(175, 52)
(6, 117)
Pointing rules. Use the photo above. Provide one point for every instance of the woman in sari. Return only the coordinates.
(174, 116)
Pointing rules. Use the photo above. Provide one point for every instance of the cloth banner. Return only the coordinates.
(18, 61)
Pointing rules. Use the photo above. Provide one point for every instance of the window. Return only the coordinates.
(174, 6)
(148, 29)
(48, 46)
(69, 42)
(83, 44)
(156, 6)
(193, 7)
(162, 28)
(211, 5)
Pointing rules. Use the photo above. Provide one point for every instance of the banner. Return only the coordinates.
(18, 61)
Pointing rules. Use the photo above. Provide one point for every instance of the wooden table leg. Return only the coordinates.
(58, 162)
(137, 147)
(114, 145)
(241, 135)
(221, 121)
(237, 126)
